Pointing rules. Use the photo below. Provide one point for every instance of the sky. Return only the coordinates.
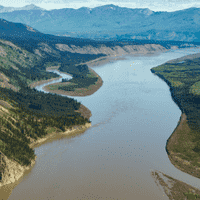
(155, 5)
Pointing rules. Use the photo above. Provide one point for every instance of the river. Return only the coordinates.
(133, 115)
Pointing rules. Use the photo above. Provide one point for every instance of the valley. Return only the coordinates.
(30, 118)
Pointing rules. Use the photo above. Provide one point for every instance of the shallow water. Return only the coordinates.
(132, 117)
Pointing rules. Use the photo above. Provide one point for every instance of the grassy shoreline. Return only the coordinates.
(54, 134)
(182, 75)
(183, 145)
(177, 158)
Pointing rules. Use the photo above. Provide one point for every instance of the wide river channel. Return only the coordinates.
(133, 115)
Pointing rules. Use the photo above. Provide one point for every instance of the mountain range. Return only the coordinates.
(11, 9)
(110, 21)
(77, 50)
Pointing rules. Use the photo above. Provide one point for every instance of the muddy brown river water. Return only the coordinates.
(133, 115)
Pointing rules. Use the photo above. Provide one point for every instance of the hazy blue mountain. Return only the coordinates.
(104, 18)
(111, 21)
(11, 9)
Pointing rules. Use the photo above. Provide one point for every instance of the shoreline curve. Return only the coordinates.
(14, 172)
(84, 92)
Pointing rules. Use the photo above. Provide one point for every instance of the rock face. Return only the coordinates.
(12, 170)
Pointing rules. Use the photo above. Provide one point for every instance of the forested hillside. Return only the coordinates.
(20, 67)
(26, 114)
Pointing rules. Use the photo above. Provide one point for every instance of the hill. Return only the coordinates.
(110, 21)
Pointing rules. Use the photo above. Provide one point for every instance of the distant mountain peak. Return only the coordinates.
(84, 8)
(146, 11)
(31, 7)
(111, 5)
(27, 7)
(108, 6)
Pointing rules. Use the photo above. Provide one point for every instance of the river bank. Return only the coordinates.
(177, 158)
(182, 146)
(79, 91)
(84, 111)
(13, 171)
(113, 58)
(173, 188)
(73, 130)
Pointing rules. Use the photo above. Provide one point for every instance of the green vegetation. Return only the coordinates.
(34, 112)
(22, 67)
(195, 89)
(82, 78)
(75, 83)
(184, 81)
(80, 70)
(30, 114)
(192, 196)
